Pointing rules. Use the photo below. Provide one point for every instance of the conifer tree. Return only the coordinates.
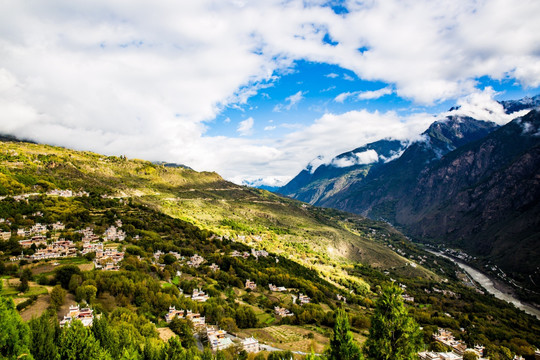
(14, 333)
(394, 335)
(44, 333)
(342, 344)
(78, 343)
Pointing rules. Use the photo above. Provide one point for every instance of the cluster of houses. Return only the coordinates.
(277, 288)
(84, 315)
(108, 259)
(250, 285)
(217, 338)
(195, 261)
(196, 319)
(458, 347)
(283, 312)
(214, 267)
(198, 295)
(66, 193)
(302, 299)
(113, 233)
(237, 253)
(58, 249)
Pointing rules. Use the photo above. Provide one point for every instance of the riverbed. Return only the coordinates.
(491, 286)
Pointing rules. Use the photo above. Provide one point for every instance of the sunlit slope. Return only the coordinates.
(314, 236)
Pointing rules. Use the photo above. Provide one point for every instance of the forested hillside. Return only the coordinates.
(247, 261)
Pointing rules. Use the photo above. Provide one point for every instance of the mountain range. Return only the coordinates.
(469, 184)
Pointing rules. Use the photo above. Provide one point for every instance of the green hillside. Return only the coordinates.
(168, 215)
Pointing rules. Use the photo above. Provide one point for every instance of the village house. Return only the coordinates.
(458, 346)
(57, 249)
(279, 311)
(5, 235)
(114, 234)
(195, 318)
(199, 295)
(58, 226)
(217, 339)
(257, 253)
(195, 261)
(36, 240)
(407, 298)
(214, 267)
(89, 247)
(250, 345)
(108, 259)
(304, 299)
(85, 315)
(250, 285)
(276, 288)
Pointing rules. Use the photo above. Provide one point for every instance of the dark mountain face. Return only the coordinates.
(511, 106)
(388, 183)
(469, 184)
(483, 197)
(313, 186)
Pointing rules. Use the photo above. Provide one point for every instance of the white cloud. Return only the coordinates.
(342, 97)
(361, 158)
(269, 128)
(482, 106)
(142, 79)
(332, 75)
(369, 95)
(364, 95)
(245, 127)
(348, 77)
(290, 101)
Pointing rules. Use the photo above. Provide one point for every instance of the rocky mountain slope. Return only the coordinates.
(470, 184)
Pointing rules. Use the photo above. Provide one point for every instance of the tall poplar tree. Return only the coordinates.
(394, 335)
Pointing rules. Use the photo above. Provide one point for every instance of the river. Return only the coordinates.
(488, 284)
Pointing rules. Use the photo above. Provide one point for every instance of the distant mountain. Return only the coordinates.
(484, 197)
(469, 184)
(316, 185)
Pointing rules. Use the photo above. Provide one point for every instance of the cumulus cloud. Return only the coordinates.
(143, 79)
(246, 127)
(481, 105)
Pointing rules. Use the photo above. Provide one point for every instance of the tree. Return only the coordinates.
(26, 275)
(394, 335)
(182, 328)
(64, 273)
(78, 343)
(57, 297)
(86, 293)
(14, 333)
(470, 355)
(44, 332)
(342, 344)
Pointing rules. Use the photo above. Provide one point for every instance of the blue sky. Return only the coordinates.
(256, 89)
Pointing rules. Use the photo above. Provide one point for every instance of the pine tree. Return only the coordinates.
(394, 335)
(44, 332)
(342, 344)
(14, 333)
(78, 343)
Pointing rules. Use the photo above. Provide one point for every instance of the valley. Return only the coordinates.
(137, 242)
